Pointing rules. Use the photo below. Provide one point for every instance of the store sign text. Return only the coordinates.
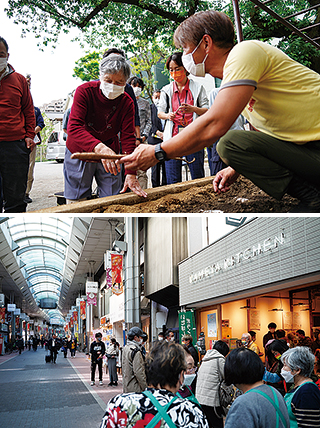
(229, 262)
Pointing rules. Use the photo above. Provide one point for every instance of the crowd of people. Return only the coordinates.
(174, 385)
(109, 117)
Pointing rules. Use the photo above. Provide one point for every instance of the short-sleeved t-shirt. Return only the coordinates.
(286, 101)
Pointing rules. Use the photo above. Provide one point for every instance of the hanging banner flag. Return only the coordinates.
(92, 291)
(75, 316)
(187, 324)
(108, 269)
(82, 309)
(116, 272)
(2, 315)
(71, 322)
(17, 322)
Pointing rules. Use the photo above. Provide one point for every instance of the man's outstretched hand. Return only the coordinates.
(224, 179)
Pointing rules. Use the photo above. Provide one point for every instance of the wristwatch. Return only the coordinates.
(139, 139)
(159, 153)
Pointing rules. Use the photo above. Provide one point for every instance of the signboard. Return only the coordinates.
(82, 309)
(212, 325)
(2, 315)
(116, 273)
(92, 291)
(187, 324)
(108, 269)
(1, 299)
(11, 307)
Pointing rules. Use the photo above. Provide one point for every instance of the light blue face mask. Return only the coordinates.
(188, 379)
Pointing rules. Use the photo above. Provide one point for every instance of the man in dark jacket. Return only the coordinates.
(97, 351)
(187, 339)
(17, 125)
(155, 137)
(53, 346)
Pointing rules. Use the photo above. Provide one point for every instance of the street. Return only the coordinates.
(36, 394)
(48, 179)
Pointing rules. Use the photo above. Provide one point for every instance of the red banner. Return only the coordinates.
(17, 322)
(71, 322)
(82, 309)
(75, 316)
(116, 272)
(2, 315)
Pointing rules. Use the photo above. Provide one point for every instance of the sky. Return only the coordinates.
(51, 71)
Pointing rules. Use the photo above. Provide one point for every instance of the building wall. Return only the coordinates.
(255, 258)
(165, 246)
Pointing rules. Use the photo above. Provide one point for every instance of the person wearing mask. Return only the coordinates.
(112, 353)
(73, 348)
(158, 404)
(271, 333)
(303, 401)
(303, 340)
(210, 374)
(97, 351)
(17, 125)
(273, 375)
(133, 365)
(145, 122)
(169, 336)
(260, 405)
(247, 342)
(32, 158)
(187, 339)
(188, 389)
(282, 155)
(160, 336)
(181, 102)
(100, 111)
(253, 335)
(158, 171)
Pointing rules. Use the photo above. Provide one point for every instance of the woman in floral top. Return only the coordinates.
(165, 367)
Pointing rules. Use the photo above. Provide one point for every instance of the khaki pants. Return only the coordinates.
(32, 161)
(269, 162)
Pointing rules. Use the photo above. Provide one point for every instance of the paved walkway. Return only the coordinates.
(39, 395)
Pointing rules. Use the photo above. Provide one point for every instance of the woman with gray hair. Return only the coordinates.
(303, 401)
(100, 112)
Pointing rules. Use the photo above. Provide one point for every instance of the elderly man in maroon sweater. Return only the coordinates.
(17, 124)
(101, 111)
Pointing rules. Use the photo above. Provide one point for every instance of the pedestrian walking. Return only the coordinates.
(133, 365)
(158, 404)
(73, 348)
(53, 346)
(97, 351)
(112, 354)
(20, 344)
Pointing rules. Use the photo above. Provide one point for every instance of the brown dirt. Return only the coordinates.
(244, 196)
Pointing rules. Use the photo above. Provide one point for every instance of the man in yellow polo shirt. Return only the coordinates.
(278, 96)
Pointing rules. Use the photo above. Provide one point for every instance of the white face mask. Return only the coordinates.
(287, 376)
(3, 63)
(137, 91)
(193, 68)
(188, 379)
(110, 90)
(160, 338)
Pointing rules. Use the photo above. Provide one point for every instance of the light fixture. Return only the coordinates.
(119, 246)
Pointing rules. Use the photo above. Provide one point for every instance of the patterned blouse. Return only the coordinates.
(135, 410)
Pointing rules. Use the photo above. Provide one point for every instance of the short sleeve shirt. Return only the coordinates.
(286, 101)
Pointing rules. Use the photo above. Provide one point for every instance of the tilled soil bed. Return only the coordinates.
(187, 197)
(243, 196)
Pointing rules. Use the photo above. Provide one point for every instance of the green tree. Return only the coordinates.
(87, 67)
(257, 24)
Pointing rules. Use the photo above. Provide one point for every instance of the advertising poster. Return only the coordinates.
(187, 324)
(212, 325)
(92, 291)
(255, 322)
(116, 273)
(82, 309)
(287, 320)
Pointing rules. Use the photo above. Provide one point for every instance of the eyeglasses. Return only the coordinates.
(191, 371)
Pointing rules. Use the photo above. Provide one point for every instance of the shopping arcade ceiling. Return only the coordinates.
(48, 258)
